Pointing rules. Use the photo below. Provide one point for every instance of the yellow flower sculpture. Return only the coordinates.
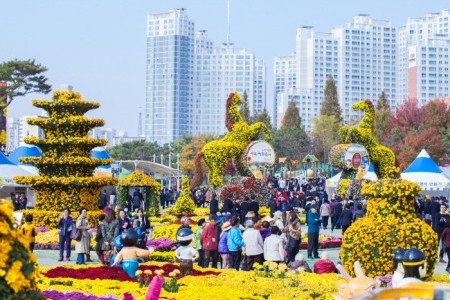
(390, 223)
(66, 169)
(18, 268)
(217, 153)
(184, 203)
(381, 156)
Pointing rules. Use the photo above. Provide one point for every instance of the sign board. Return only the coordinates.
(356, 156)
(257, 155)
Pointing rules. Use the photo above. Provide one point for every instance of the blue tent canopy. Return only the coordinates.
(423, 163)
(100, 153)
(4, 160)
(24, 151)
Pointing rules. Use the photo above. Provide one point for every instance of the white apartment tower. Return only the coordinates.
(367, 62)
(169, 82)
(423, 64)
(218, 72)
(285, 77)
(316, 57)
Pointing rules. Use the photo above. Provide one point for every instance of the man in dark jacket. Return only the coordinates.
(245, 207)
(272, 204)
(439, 221)
(213, 205)
(337, 211)
(227, 205)
(346, 218)
(435, 209)
(254, 205)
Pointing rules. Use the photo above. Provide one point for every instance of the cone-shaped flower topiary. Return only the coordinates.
(66, 169)
(18, 268)
(184, 203)
(390, 223)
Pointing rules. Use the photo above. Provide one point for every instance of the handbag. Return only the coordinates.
(76, 234)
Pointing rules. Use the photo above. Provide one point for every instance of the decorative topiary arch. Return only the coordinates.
(139, 179)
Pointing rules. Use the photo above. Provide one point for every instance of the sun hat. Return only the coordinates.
(226, 226)
(250, 214)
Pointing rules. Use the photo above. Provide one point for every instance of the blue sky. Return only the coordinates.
(99, 46)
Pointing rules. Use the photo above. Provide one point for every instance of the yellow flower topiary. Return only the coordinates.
(382, 157)
(217, 153)
(18, 268)
(66, 169)
(390, 223)
(184, 203)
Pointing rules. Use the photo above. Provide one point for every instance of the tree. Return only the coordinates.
(137, 150)
(407, 115)
(263, 117)
(382, 102)
(291, 118)
(382, 118)
(245, 110)
(330, 105)
(324, 135)
(19, 78)
(292, 143)
(416, 140)
(436, 113)
(189, 151)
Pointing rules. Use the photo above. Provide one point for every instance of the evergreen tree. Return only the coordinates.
(263, 117)
(330, 105)
(245, 110)
(291, 118)
(19, 78)
(382, 102)
(324, 135)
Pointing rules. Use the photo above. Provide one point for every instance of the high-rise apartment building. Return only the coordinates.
(12, 133)
(305, 74)
(367, 59)
(285, 79)
(189, 80)
(360, 56)
(169, 82)
(423, 52)
(218, 72)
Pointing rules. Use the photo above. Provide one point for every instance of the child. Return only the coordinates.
(29, 230)
(130, 253)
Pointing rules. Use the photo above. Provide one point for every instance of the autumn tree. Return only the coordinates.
(324, 135)
(19, 78)
(382, 102)
(330, 105)
(291, 118)
(188, 152)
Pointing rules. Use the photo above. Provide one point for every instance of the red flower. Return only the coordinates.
(113, 273)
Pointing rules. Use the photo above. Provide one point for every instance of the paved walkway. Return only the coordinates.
(50, 257)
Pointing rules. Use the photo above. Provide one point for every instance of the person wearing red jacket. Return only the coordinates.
(324, 265)
(210, 242)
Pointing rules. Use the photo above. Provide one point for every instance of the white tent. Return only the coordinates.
(424, 171)
(7, 172)
(331, 183)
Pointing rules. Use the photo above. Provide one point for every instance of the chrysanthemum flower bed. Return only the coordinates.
(112, 283)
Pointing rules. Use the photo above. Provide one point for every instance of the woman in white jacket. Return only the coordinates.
(273, 246)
